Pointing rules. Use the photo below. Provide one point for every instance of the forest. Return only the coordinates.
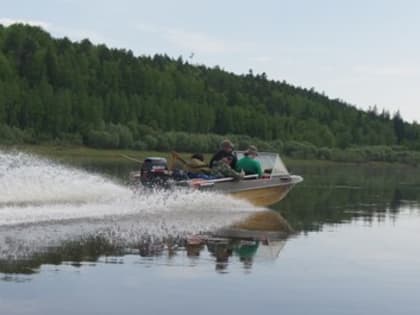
(56, 91)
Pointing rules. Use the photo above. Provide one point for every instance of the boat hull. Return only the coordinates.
(263, 196)
(259, 192)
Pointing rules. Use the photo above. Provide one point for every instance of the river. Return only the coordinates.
(75, 239)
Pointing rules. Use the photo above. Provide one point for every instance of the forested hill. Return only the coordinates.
(55, 89)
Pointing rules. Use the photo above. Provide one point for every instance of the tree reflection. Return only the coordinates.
(337, 193)
(331, 194)
(76, 253)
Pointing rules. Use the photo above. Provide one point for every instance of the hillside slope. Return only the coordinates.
(55, 89)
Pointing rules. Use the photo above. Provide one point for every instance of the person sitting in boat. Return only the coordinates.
(248, 163)
(222, 169)
(197, 168)
(226, 149)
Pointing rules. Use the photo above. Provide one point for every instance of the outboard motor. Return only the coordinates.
(154, 172)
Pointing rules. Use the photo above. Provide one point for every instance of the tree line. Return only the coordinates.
(56, 90)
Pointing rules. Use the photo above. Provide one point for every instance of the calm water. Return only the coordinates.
(76, 241)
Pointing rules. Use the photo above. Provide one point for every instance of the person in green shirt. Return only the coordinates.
(248, 163)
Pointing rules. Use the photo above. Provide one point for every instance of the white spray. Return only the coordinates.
(43, 203)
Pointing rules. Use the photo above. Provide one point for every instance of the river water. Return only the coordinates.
(75, 239)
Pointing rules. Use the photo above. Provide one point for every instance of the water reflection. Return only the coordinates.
(243, 240)
(77, 254)
(331, 194)
(340, 193)
(354, 249)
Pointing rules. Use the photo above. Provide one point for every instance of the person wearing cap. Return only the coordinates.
(226, 149)
(248, 163)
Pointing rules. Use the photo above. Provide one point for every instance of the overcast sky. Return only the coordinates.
(365, 52)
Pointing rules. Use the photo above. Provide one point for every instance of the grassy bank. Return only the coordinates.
(83, 153)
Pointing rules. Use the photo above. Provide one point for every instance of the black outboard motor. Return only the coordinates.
(154, 172)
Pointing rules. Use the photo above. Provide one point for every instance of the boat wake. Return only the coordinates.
(27, 179)
(43, 203)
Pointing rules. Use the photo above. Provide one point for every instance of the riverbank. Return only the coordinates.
(66, 153)
(83, 153)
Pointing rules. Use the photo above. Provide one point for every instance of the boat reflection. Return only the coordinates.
(246, 251)
(258, 238)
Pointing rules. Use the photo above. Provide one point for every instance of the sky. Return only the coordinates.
(365, 52)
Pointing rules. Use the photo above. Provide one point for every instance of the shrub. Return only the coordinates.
(102, 139)
(70, 138)
(151, 142)
(140, 145)
(10, 135)
(126, 137)
(29, 136)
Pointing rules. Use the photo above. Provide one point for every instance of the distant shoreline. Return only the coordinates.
(84, 153)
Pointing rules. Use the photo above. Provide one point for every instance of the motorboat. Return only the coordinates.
(266, 190)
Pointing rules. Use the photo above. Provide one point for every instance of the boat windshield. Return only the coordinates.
(269, 161)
